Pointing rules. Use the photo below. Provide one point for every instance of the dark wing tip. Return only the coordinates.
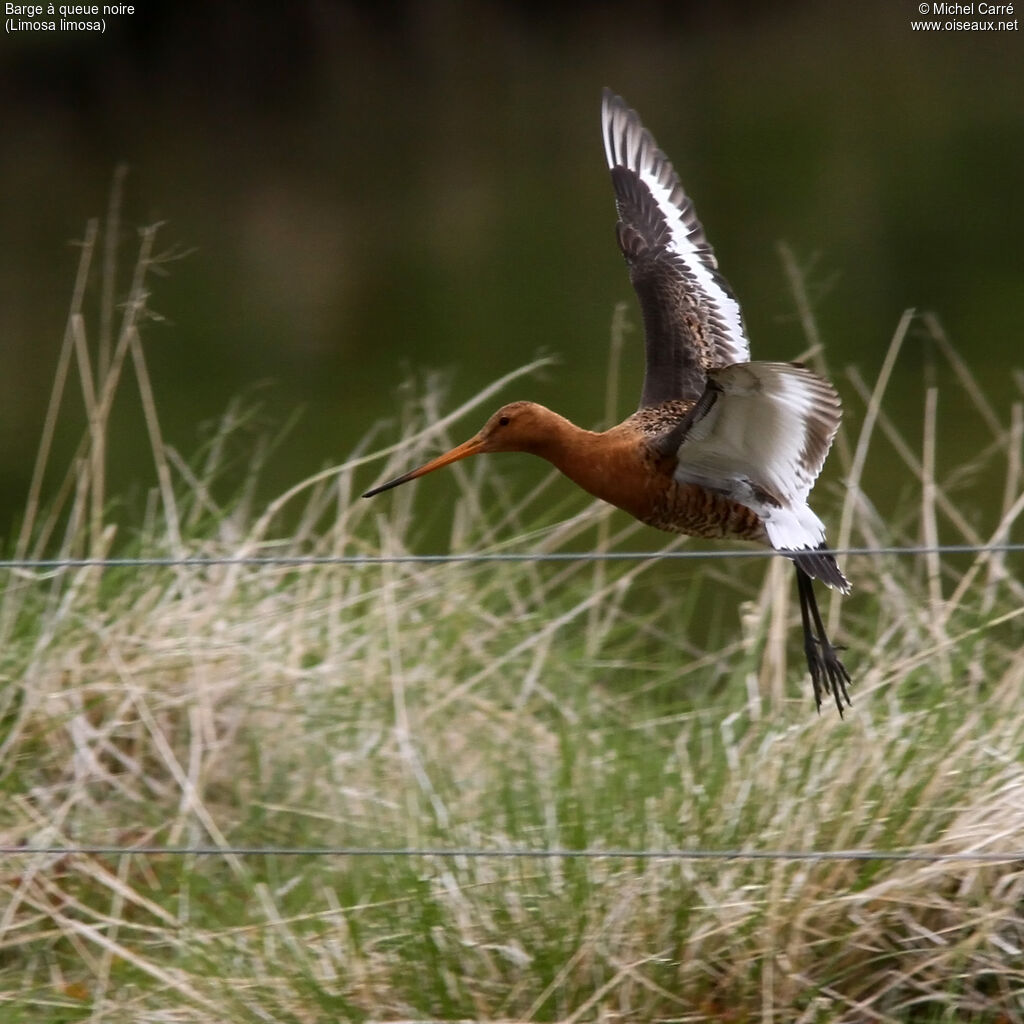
(610, 98)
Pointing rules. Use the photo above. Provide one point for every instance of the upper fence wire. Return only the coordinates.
(489, 556)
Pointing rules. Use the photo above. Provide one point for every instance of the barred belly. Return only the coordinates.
(696, 512)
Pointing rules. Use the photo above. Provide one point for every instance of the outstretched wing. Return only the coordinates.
(692, 322)
(759, 435)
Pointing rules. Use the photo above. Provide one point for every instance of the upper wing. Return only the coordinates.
(692, 322)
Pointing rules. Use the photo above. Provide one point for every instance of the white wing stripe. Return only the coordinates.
(627, 144)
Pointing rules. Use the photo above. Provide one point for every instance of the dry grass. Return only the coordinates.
(638, 705)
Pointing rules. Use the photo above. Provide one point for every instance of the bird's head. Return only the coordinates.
(516, 427)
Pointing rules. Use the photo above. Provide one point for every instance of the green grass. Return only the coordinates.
(611, 706)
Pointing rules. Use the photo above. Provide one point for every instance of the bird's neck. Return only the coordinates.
(607, 465)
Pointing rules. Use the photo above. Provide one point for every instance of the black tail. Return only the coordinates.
(821, 566)
(828, 673)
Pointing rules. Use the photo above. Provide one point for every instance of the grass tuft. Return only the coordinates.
(602, 706)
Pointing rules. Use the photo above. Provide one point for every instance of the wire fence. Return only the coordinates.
(514, 853)
(454, 853)
(202, 561)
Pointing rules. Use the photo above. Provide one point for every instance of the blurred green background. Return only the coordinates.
(370, 190)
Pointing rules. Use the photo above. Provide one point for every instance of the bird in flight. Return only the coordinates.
(720, 447)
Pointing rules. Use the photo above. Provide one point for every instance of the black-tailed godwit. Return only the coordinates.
(720, 446)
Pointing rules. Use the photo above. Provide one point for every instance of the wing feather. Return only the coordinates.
(692, 321)
(760, 435)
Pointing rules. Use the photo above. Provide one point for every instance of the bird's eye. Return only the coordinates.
(504, 421)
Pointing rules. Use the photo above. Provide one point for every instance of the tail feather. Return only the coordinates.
(816, 562)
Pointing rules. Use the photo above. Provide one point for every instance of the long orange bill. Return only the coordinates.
(471, 447)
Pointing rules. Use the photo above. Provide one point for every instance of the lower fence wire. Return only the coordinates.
(920, 856)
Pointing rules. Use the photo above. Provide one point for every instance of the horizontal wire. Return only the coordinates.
(353, 852)
(474, 557)
(519, 853)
